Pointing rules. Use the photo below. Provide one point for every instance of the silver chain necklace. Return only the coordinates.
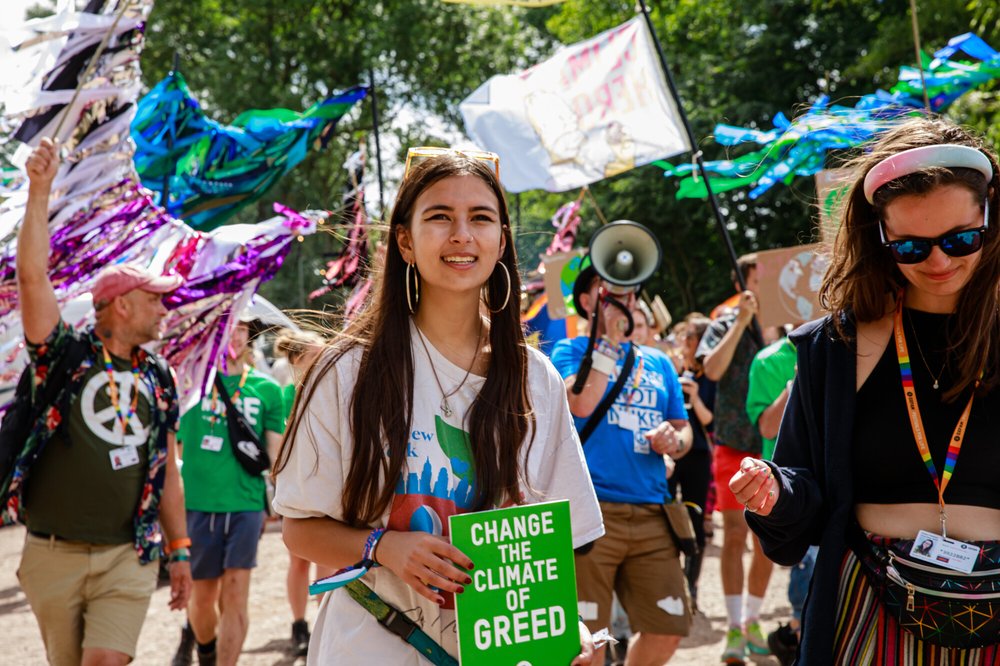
(937, 382)
(445, 407)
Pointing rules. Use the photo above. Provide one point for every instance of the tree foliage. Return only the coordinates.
(734, 62)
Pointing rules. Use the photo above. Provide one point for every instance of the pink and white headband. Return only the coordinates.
(917, 159)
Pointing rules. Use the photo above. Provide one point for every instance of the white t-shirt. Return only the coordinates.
(435, 484)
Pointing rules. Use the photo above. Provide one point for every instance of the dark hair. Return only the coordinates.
(745, 264)
(501, 416)
(863, 279)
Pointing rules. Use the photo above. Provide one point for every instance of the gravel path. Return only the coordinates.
(270, 623)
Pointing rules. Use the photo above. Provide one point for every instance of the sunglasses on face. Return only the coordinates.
(416, 155)
(955, 244)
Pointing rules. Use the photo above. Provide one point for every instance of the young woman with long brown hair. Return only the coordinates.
(889, 436)
(430, 404)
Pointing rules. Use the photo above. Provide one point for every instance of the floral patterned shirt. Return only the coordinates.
(148, 537)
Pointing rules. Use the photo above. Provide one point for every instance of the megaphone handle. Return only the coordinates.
(625, 310)
(584, 371)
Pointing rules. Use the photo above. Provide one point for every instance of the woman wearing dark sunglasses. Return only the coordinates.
(890, 435)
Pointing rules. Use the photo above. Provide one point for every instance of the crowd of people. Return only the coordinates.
(435, 379)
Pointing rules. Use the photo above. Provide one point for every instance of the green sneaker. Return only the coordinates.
(735, 652)
(756, 641)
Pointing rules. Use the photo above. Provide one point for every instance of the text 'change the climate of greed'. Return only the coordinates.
(518, 570)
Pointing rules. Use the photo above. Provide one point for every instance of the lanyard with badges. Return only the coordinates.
(917, 424)
(216, 414)
(123, 419)
(636, 378)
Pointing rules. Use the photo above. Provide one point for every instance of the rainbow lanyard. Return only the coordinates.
(636, 378)
(917, 423)
(216, 413)
(123, 419)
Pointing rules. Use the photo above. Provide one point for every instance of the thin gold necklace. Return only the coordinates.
(445, 407)
(923, 359)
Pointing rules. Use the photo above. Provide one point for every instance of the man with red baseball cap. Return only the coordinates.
(96, 481)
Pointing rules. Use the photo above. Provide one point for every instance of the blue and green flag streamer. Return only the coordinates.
(213, 170)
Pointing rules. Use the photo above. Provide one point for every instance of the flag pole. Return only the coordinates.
(713, 202)
(165, 199)
(378, 144)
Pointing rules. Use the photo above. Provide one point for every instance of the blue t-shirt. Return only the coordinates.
(622, 465)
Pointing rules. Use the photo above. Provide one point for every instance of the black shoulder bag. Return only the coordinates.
(609, 399)
(246, 446)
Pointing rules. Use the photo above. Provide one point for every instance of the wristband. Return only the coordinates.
(603, 363)
(183, 542)
(368, 554)
(353, 572)
(605, 346)
(180, 555)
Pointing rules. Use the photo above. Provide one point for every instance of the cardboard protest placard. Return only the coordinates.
(521, 607)
(556, 287)
(789, 281)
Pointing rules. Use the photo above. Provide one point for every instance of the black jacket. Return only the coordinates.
(812, 461)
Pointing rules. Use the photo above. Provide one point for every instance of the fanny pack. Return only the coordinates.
(399, 624)
(681, 527)
(243, 440)
(938, 606)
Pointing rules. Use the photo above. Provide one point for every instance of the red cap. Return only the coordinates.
(122, 278)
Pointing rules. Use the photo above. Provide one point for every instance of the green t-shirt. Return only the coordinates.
(770, 371)
(87, 482)
(288, 392)
(214, 481)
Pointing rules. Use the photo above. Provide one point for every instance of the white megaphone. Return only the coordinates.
(625, 254)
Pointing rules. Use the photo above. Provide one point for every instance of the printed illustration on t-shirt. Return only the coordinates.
(99, 413)
(636, 407)
(437, 481)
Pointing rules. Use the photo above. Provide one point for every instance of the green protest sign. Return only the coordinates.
(520, 609)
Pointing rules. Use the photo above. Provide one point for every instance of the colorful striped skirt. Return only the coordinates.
(866, 633)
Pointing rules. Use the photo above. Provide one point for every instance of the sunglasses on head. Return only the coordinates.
(416, 155)
(954, 244)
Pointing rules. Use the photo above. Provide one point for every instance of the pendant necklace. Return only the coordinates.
(923, 359)
(445, 407)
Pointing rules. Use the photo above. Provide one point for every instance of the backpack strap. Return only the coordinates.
(609, 398)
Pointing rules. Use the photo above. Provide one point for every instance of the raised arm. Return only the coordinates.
(717, 361)
(39, 309)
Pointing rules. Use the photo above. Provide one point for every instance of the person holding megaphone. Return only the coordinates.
(628, 408)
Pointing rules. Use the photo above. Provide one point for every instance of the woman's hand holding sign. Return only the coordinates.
(586, 656)
(424, 562)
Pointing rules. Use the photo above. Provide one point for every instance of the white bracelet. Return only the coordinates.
(603, 363)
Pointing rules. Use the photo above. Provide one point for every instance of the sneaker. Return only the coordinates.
(183, 656)
(735, 652)
(756, 642)
(300, 638)
(784, 644)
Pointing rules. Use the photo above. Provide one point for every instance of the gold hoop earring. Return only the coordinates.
(506, 299)
(415, 289)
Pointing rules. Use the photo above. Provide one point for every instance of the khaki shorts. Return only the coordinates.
(85, 596)
(637, 559)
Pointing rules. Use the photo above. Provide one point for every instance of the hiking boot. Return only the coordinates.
(736, 647)
(784, 644)
(183, 656)
(300, 638)
(756, 642)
